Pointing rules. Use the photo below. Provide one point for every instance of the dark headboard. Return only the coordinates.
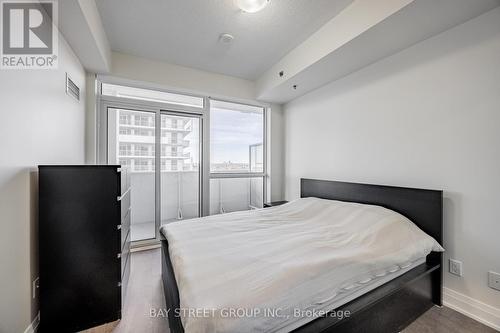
(422, 207)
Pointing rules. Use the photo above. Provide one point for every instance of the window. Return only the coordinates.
(124, 162)
(172, 190)
(143, 132)
(236, 132)
(142, 150)
(151, 95)
(237, 167)
(125, 149)
(145, 121)
(125, 131)
(124, 119)
(141, 165)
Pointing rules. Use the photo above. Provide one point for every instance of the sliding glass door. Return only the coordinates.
(132, 144)
(157, 135)
(180, 166)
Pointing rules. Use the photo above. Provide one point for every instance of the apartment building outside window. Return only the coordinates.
(133, 148)
(125, 119)
(141, 165)
(125, 149)
(142, 150)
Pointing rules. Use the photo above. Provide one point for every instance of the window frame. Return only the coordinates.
(148, 100)
(103, 102)
(227, 175)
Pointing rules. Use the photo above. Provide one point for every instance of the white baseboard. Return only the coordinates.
(34, 325)
(472, 308)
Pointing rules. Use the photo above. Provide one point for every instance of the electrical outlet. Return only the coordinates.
(35, 286)
(455, 267)
(494, 280)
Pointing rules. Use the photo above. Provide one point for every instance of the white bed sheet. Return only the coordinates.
(259, 271)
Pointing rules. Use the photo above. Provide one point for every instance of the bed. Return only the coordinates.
(235, 265)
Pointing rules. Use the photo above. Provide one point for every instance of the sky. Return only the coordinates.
(232, 132)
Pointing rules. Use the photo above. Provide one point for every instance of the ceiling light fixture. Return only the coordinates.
(251, 6)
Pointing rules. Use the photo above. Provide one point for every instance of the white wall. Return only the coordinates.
(276, 135)
(426, 117)
(39, 124)
(90, 118)
(81, 25)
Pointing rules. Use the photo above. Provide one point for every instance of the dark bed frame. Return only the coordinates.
(388, 308)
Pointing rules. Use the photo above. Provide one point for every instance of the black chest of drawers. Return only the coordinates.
(84, 245)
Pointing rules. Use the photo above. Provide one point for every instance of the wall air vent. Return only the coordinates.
(72, 89)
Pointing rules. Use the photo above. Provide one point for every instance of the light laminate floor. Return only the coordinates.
(145, 294)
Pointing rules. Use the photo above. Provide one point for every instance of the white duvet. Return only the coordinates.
(257, 271)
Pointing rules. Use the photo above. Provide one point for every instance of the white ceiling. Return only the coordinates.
(186, 32)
